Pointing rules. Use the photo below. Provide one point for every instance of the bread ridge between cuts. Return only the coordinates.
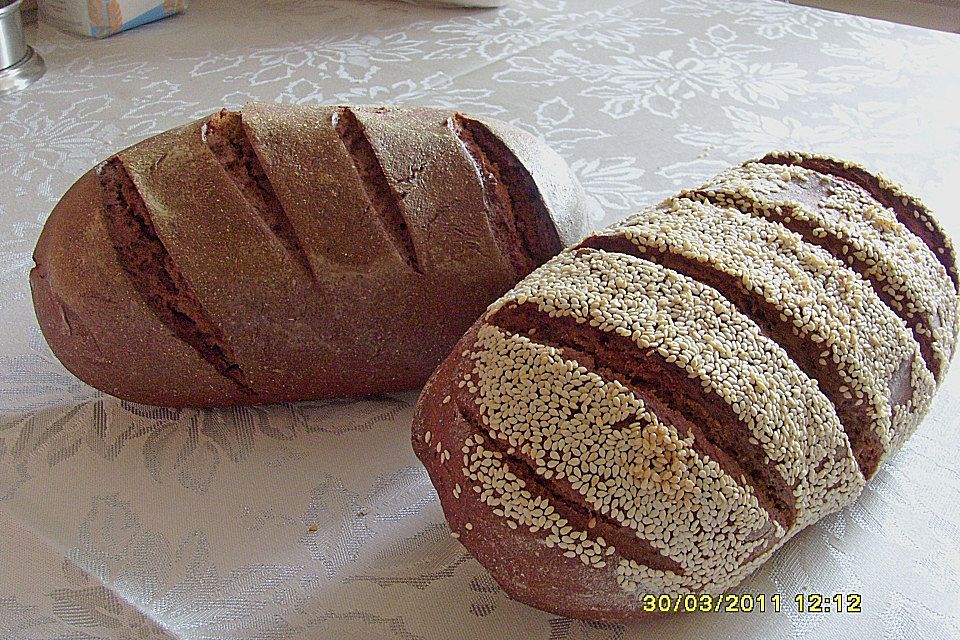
(661, 407)
(286, 252)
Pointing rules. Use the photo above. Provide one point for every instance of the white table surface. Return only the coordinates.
(123, 521)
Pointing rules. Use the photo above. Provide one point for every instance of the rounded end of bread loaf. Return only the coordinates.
(97, 325)
(528, 570)
(562, 193)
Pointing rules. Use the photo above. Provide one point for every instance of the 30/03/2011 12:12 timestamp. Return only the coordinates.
(751, 603)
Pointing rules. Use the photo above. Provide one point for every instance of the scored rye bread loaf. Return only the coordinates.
(287, 253)
(660, 408)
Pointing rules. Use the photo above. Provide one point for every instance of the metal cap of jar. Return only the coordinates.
(20, 65)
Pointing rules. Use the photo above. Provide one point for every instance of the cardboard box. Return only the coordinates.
(101, 18)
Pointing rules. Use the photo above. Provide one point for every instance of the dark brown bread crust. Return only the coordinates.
(384, 200)
(79, 277)
(518, 215)
(256, 266)
(225, 136)
(154, 275)
(529, 570)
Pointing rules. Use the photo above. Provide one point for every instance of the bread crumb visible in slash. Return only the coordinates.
(446, 400)
(455, 534)
(313, 528)
(468, 526)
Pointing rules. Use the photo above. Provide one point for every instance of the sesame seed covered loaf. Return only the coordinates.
(660, 408)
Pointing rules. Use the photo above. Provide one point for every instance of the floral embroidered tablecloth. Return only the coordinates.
(314, 520)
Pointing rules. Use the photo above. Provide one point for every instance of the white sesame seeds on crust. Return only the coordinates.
(897, 262)
(563, 418)
(505, 493)
(826, 303)
(920, 210)
(535, 400)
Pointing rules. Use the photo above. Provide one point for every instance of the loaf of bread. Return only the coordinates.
(660, 408)
(288, 253)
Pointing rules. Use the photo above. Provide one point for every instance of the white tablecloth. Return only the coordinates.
(315, 520)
